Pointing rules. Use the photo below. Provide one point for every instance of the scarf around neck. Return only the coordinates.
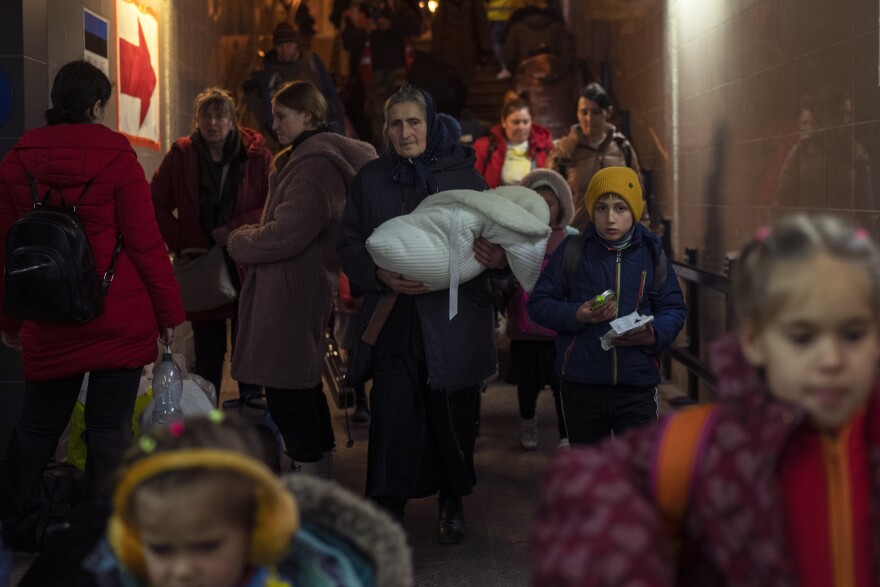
(622, 243)
(218, 180)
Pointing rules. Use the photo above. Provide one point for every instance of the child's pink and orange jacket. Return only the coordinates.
(772, 501)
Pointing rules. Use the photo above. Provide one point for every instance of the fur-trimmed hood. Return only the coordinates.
(341, 513)
(560, 187)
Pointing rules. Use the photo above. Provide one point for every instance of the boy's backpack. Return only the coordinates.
(675, 462)
(50, 273)
(575, 243)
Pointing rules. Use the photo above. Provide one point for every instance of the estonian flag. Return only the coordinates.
(95, 34)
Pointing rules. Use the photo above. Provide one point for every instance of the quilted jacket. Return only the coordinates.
(630, 273)
(143, 296)
(597, 523)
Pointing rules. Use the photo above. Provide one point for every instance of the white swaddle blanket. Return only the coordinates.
(434, 243)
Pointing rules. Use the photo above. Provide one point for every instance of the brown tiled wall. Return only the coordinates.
(744, 68)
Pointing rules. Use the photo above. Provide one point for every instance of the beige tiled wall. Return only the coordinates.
(744, 68)
(738, 72)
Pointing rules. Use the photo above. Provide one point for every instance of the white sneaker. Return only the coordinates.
(563, 444)
(322, 469)
(528, 433)
(504, 74)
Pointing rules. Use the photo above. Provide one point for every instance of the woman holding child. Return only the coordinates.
(426, 368)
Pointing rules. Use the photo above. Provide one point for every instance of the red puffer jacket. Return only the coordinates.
(598, 523)
(492, 150)
(175, 187)
(143, 296)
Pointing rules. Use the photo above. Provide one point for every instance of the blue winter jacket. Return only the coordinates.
(630, 273)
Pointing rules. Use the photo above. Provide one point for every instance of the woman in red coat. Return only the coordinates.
(210, 183)
(141, 303)
(513, 148)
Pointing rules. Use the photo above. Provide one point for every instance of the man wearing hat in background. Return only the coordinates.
(287, 62)
(616, 389)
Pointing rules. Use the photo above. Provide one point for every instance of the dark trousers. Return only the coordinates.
(593, 412)
(527, 396)
(421, 439)
(303, 418)
(209, 340)
(44, 416)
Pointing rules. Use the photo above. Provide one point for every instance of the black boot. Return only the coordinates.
(451, 527)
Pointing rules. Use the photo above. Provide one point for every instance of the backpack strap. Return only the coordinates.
(110, 272)
(34, 194)
(36, 197)
(82, 194)
(111, 269)
(675, 461)
(661, 264)
(570, 256)
(624, 145)
(572, 252)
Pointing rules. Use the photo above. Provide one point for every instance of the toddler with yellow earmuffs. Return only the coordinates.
(195, 506)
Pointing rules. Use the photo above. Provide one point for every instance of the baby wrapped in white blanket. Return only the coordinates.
(434, 243)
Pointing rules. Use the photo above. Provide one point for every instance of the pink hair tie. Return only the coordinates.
(861, 235)
(763, 233)
(176, 428)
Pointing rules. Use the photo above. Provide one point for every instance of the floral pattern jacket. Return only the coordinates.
(598, 523)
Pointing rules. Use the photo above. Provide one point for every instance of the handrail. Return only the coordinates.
(696, 280)
(702, 277)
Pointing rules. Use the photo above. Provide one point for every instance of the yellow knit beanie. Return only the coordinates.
(621, 181)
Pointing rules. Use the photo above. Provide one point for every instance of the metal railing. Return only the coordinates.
(696, 282)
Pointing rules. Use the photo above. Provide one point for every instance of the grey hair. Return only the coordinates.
(403, 94)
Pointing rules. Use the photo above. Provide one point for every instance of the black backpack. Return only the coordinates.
(50, 273)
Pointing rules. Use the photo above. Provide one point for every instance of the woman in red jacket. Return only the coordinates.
(513, 148)
(141, 303)
(210, 183)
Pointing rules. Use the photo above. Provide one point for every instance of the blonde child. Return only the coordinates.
(785, 473)
(532, 347)
(195, 506)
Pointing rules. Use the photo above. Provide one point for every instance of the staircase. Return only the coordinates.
(486, 95)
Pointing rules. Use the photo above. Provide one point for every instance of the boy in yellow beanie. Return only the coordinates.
(603, 391)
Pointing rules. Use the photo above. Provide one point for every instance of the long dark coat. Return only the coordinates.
(457, 354)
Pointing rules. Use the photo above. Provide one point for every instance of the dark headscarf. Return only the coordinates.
(440, 143)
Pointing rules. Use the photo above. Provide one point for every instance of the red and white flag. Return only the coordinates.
(137, 82)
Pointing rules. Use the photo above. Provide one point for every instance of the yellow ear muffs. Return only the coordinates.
(277, 517)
